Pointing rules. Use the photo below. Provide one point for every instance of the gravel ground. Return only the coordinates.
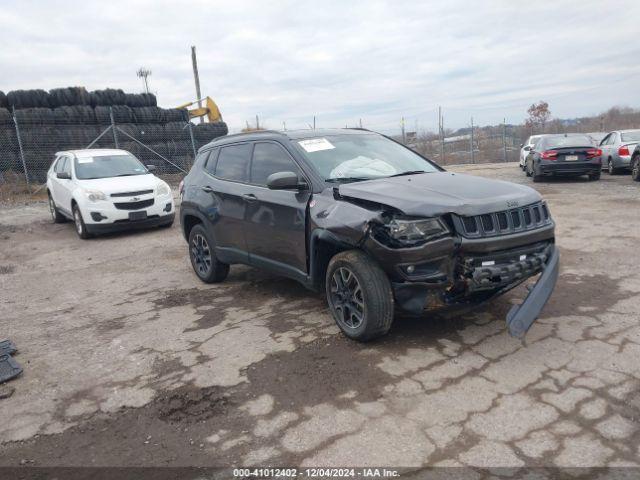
(129, 360)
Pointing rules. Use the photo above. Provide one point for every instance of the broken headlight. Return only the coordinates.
(399, 232)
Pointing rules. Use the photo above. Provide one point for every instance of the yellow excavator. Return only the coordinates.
(209, 110)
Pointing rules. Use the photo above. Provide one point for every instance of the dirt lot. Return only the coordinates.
(130, 360)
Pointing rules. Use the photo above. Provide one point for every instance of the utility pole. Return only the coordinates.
(196, 77)
(314, 122)
(404, 138)
(144, 73)
(504, 139)
(284, 126)
(360, 123)
(441, 133)
(473, 155)
(257, 123)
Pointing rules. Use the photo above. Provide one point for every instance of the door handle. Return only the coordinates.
(207, 189)
(249, 197)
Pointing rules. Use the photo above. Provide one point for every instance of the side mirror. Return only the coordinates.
(285, 181)
(521, 145)
(151, 168)
(64, 175)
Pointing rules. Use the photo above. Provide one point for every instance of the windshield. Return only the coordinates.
(105, 166)
(631, 136)
(561, 141)
(360, 157)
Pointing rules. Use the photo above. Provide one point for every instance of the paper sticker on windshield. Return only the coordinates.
(85, 160)
(316, 144)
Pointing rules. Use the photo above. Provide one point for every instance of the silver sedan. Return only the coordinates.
(617, 148)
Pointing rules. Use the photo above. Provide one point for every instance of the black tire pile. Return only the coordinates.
(71, 118)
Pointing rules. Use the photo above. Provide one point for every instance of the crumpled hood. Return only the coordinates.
(133, 183)
(439, 193)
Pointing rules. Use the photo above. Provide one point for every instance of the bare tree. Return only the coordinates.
(539, 115)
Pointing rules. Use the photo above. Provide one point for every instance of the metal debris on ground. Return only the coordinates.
(9, 368)
(7, 347)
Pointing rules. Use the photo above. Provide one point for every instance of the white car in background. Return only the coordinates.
(106, 191)
(526, 147)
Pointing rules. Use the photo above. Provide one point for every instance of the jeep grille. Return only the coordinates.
(506, 222)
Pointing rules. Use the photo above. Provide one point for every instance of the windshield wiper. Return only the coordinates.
(127, 175)
(411, 172)
(348, 179)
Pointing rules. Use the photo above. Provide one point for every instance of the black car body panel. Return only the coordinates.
(122, 225)
(439, 193)
(293, 233)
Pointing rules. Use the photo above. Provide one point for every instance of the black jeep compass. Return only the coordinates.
(370, 221)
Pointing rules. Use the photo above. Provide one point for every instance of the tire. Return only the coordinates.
(81, 228)
(593, 177)
(526, 170)
(56, 216)
(201, 247)
(611, 169)
(635, 168)
(354, 275)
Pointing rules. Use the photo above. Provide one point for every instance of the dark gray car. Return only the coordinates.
(564, 155)
(370, 222)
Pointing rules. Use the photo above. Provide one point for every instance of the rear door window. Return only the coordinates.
(269, 158)
(233, 162)
(209, 163)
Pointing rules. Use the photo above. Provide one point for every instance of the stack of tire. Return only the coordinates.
(71, 118)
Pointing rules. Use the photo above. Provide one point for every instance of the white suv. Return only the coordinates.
(105, 191)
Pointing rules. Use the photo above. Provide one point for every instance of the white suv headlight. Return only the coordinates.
(163, 189)
(95, 195)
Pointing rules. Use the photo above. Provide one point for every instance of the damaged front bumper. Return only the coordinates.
(520, 317)
(464, 279)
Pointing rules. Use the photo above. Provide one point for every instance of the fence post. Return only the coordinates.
(193, 142)
(504, 139)
(113, 128)
(24, 163)
(473, 155)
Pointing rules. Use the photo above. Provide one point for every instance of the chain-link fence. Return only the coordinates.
(462, 149)
(29, 138)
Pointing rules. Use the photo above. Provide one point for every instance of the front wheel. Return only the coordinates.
(56, 216)
(635, 168)
(594, 177)
(203, 258)
(81, 228)
(359, 296)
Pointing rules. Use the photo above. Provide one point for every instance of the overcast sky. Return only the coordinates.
(340, 60)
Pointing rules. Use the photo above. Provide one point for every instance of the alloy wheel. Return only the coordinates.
(346, 298)
(201, 254)
(52, 208)
(78, 221)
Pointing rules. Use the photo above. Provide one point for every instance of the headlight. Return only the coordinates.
(163, 189)
(406, 233)
(95, 195)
